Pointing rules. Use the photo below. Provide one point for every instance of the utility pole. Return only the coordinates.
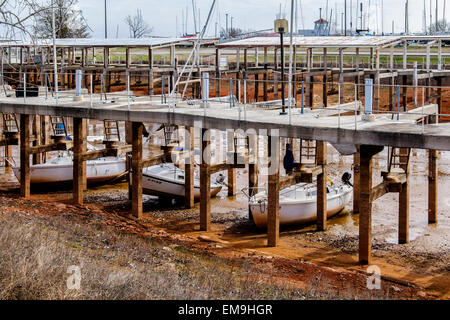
(106, 23)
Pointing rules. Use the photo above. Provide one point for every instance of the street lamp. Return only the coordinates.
(281, 26)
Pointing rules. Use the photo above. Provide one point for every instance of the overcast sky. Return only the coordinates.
(247, 14)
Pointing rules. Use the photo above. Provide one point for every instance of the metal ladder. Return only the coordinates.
(111, 130)
(58, 126)
(10, 123)
(308, 152)
(399, 158)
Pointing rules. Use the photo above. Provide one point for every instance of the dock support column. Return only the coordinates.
(325, 79)
(403, 218)
(356, 181)
(432, 186)
(217, 80)
(253, 163)
(365, 216)
(79, 166)
(322, 186)
(36, 126)
(24, 155)
(231, 147)
(136, 167)
(273, 214)
(205, 183)
(189, 168)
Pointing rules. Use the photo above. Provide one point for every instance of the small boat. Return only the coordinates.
(298, 203)
(166, 180)
(60, 170)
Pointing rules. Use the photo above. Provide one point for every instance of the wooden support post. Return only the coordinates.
(136, 164)
(266, 78)
(365, 216)
(79, 166)
(232, 184)
(189, 168)
(356, 181)
(256, 87)
(36, 126)
(325, 79)
(273, 216)
(128, 163)
(432, 186)
(253, 164)
(217, 81)
(205, 183)
(322, 186)
(403, 217)
(439, 95)
(24, 155)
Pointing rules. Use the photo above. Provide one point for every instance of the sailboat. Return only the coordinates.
(298, 203)
(60, 170)
(166, 180)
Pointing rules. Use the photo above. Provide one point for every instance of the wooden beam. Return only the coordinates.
(356, 189)
(57, 146)
(189, 165)
(273, 216)
(137, 166)
(403, 217)
(205, 183)
(79, 147)
(365, 216)
(232, 185)
(24, 155)
(322, 186)
(107, 152)
(432, 186)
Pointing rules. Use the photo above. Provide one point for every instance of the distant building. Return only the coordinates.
(320, 29)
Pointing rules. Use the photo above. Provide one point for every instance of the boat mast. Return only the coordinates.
(55, 65)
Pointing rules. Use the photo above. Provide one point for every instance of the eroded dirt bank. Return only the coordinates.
(307, 264)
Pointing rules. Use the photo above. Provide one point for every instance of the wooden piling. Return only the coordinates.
(205, 183)
(136, 164)
(231, 148)
(356, 181)
(273, 202)
(24, 155)
(432, 186)
(403, 217)
(79, 148)
(189, 168)
(322, 186)
(365, 216)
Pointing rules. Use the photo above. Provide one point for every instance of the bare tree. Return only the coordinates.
(69, 20)
(16, 17)
(138, 27)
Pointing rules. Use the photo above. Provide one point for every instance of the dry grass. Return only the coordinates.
(35, 253)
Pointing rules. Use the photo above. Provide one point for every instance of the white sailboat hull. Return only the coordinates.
(303, 210)
(168, 181)
(60, 170)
